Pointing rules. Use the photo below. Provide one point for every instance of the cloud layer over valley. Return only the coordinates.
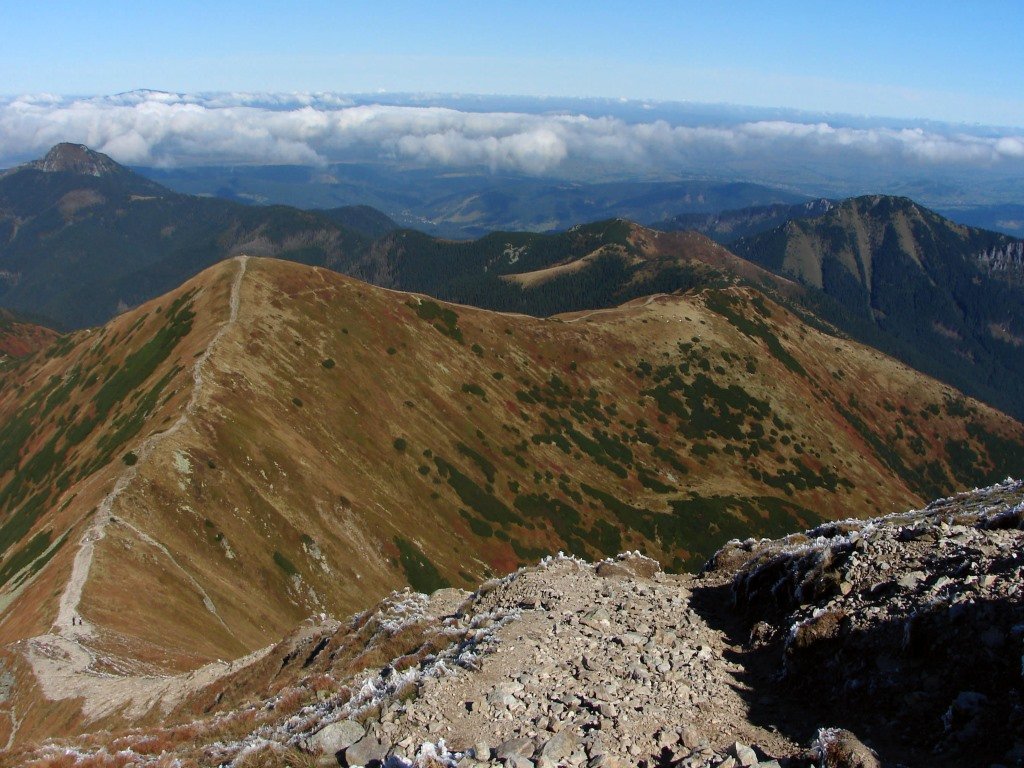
(148, 128)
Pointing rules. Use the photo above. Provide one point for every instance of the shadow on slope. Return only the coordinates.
(908, 633)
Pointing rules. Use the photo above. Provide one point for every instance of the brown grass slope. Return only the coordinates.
(348, 440)
(18, 338)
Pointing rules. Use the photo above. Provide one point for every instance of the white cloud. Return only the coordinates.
(164, 129)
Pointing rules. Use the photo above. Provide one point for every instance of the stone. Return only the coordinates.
(481, 751)
(367, 751)
(689, 737)
(518, 761)
(518, 747)
(335, 737)
(559, 746)
(599, 618)
(841, 749)
(744, 754)
(632, 639)
(910, 580)
(666, 738)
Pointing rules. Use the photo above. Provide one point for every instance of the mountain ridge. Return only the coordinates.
(728, 226)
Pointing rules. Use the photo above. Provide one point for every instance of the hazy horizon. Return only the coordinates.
(947, 61)
(559, 138)
(917, 98)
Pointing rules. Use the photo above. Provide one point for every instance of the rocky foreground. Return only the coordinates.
(906, 631)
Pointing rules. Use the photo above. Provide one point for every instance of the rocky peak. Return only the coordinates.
(76, 158)
(1006, 260)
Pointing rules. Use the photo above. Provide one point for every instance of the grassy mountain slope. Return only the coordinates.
(945, 298)
(277, 440)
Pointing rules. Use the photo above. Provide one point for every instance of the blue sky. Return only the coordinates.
(953, 61)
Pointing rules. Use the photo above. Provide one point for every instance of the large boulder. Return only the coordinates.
(333, 739)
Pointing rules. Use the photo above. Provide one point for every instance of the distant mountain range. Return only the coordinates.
(467, 204)
(82, 238)
(728, 226)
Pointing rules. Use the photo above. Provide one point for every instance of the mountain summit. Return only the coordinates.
(82, 237)
(942, 297)
(76, 158)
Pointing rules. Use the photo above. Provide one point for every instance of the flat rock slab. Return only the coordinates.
(335, 737)
(367, 751)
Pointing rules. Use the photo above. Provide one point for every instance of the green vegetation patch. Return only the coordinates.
(704, 408)
(481, 528)
(24, 557)
(729, 307)
(485, 466)
(40, 562)
(422, 575)
(443, 319)
(699, 526)
(484, 503)
(927, 479)
(21, 522)
(563, 518)
(1005, 456)
(141, 364)
(126, 426)
(606, 537)
(60, 346)
(285, 564)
